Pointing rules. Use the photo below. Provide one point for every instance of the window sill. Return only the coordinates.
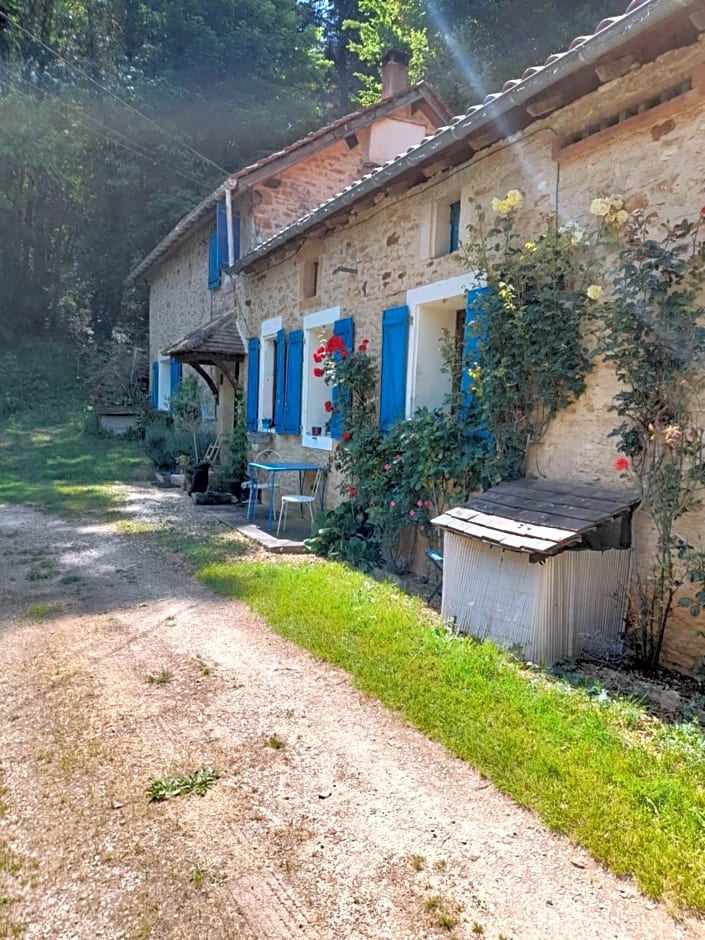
(317, 443)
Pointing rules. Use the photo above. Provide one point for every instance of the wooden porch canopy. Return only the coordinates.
(544, 517)
(218, 344)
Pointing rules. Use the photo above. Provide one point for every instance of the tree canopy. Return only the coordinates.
(116, 118)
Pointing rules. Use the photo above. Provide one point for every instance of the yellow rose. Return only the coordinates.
(594, 292)
(616, 200)
(514, 199)
(530, 246)
(496, 203)
(621, 217)
(599, 207)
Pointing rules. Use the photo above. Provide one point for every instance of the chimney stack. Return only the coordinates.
(395, 72)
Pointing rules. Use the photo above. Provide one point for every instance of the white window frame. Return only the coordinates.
(266, 392)
(441, 224)
(451, 289)
(314, 321)
(164, 382)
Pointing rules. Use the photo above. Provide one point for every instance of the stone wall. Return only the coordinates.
(655, 159)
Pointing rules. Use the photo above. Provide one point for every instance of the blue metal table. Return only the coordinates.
(273, 468)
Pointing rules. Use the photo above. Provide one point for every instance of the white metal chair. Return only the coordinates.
(300, 499)
(257, 482)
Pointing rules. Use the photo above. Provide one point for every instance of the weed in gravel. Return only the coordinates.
(198, 782)
(42, 611)
(444, 913)
(478, 929)
(70, 579)
(203, 666)
(10, 862)
(418, 862)
(201, 876)
(41, 572)
(276, 742)
(138, 526)
(159, 678)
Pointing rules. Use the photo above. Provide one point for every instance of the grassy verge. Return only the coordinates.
(629, 789)
(58, 468)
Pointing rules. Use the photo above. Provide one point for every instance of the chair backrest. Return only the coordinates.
(262, 456)
(320, 473)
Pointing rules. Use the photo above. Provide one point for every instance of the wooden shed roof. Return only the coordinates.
(539, 516)
(220, 337)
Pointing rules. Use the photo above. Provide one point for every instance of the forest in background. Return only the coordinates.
(118, 116)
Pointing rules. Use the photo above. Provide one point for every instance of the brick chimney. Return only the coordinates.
(395, 72)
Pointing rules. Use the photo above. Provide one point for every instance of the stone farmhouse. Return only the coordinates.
(621, 110)
(196, 316)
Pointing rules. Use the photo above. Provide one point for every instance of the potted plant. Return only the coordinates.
(235, 452)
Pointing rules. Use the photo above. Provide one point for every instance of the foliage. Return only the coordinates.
(384, 25)
(653, 338)
(198, 782)
(236, 445)
(529, 328)
(393, 482)
(598, 771)
(186, 405)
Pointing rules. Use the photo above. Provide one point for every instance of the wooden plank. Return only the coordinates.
(516, 527)
(527, 545)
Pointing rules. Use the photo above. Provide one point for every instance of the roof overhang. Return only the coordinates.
(543, 517)
(644, 32)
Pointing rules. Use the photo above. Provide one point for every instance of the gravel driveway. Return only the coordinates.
(331, 817)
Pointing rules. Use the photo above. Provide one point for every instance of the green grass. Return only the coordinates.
(620, 784)
(62, 470)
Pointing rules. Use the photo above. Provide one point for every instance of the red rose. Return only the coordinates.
(321, 350)
(318, 373)
(621, 463)
(346, 435)
(352, 491)
(344, 353)
(335, 344)
(317, 357)
(328, 406)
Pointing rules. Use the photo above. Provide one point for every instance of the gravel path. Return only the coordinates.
(331, 818)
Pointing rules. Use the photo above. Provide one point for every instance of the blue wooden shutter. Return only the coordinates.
(155, 385)
(221, 232)
(280, 381)
(454, 242)
(236, 235)
(213, 269)
(294, 378)
(175, 372)
(251, 413)
(346, 330)
(395, 340)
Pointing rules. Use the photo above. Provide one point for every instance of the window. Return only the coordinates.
(447, 226)
(315, 391)
(413, 373)
(268, 372)
(309, 284)
(274, 375)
